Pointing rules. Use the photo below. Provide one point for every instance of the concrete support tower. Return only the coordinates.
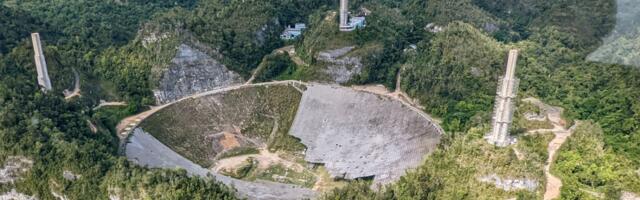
(41, 64)
(504, 105)
(344, 16)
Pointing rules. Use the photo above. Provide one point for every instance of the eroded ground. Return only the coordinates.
(553, 114)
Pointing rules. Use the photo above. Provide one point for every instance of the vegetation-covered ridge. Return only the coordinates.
(445, 71)
(448, 69)
(236, 33)
(55, 134)
(455, 171)
(587, 167)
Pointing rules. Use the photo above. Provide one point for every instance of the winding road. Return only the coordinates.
(554, 114)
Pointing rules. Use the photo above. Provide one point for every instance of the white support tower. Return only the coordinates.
(504, 105)
(344, 16)
(41, 64)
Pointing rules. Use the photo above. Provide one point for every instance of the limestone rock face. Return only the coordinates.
(507, 184)
(192, 71)
(361, 135)
(13, 168)
(629, 196)
(340, 68)
(13, 194)
(69, 175)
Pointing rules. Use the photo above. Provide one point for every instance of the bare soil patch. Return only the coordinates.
(229, 141)
(554, 114)
(264, 159)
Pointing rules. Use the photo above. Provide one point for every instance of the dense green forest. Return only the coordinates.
(453, 73)
(239, 33)
(52, 132)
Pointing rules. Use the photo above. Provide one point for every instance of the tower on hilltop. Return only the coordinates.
(344, 16)
(41, 64)
(504, 105)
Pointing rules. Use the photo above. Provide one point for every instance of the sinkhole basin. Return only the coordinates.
(287, 139)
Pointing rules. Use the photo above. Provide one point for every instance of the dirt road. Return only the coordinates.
(129, 123)
(264, 158)
(104, 104)
(554, 114)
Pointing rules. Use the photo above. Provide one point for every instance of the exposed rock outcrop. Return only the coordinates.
(59, 196)
(508, 184)
(114, 193)
(340, 68)
(192, 71)
(192, 126)
(154, 37)
(13, 167)
(629, 196)
(433, 28)
(490, 27)
(70, 176)
(531, 116)
(13, 195)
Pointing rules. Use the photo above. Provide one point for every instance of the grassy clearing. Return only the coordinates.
(184, 126)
